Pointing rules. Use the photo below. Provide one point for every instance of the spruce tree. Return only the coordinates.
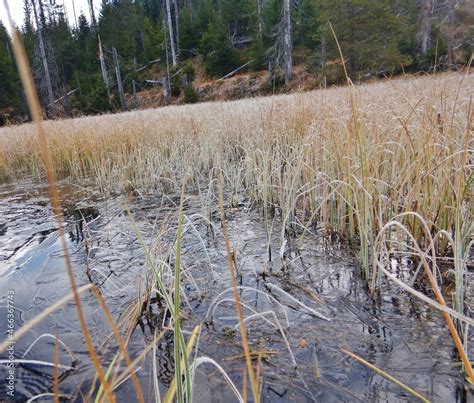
(216, 48)
(368, 33)
(11, 104)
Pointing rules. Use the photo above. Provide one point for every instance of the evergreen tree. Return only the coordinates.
(307, 25)
(236, 16)
(153, 40)
(63, 46)
(258, 54)
(119, 27)
(189, 38)
(408, 12)
(216, 48)
(11, 104)
(153, 10)
(28, 30)
(367, 31)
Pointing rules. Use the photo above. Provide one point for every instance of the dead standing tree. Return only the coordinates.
(260, 5)
(176, 19)
(92, 12)
(166, 81)
(287, 42)
(282, 51)
(123, 102)
(103, 68)
(425, 34)
(43, 55)
(171, 33)
(450, 30)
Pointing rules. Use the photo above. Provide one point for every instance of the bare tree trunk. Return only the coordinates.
(323, 51)
(170, 30)
(135, 100)
(91, 10)
(103, 68)
(426, 10)
(67, 100)
(123, 102)
(166, 83)
(166, 89)
(41, 13)
(44, 60)
(74, 13)
(287, 41)
(7, 45)
(450, 30)
(260, 18)
(176, 18)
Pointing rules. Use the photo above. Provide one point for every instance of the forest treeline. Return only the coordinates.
(97, 63)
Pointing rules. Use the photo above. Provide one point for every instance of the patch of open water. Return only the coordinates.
(397, 333)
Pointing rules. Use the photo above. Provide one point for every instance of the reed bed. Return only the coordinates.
(400, 145)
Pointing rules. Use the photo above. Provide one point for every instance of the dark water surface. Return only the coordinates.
(396, 333)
